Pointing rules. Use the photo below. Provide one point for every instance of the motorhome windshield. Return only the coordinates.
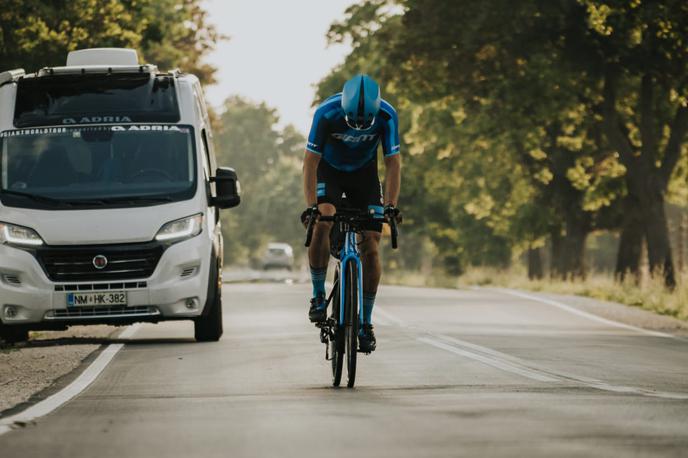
(93, 99)
(115, 165)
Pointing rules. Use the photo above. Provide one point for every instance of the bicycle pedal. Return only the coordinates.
(324, 335)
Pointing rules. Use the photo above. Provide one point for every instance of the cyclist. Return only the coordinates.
(341, 160)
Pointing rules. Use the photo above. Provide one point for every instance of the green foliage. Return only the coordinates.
(502, 108)
(268, 161)
(179, 36)
(169, 33)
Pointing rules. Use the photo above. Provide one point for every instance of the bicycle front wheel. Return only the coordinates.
(351, 322)
(337, 342)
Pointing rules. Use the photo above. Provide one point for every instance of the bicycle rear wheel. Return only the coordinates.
(337, 343)
(351, 322)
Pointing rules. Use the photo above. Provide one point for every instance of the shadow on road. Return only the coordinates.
(66, 341)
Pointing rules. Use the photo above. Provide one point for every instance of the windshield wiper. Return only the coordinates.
(36, 197)
(121, 200)
(97, 201)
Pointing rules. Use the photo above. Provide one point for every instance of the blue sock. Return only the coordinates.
(318, 278)
(368, 303)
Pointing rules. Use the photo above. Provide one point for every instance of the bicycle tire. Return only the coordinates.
(351, 322)
(337, 343)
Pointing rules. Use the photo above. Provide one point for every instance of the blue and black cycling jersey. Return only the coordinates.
(348, 149)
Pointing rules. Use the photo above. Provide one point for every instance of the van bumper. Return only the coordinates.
(177, 289)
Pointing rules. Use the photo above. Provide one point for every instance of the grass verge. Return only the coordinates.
(649, 294)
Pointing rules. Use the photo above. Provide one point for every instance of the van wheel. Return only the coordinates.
(208, 327)
(13, 334)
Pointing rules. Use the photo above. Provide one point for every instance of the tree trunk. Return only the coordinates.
(631, 241)
(644, 179)
(535, 271)
(568, 255)
(657, 236)
(573, 252)
(568, 249)
(555, 258)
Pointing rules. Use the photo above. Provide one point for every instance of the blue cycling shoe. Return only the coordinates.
(318, 311)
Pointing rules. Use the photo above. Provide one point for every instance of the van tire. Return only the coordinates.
(13, 334)
(208, 326)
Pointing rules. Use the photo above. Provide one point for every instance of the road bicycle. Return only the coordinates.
(340, 331)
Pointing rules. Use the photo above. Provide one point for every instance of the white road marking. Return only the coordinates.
(590, 316)
(521, 367)
(387, 317)
(87, 377)
(490, 361)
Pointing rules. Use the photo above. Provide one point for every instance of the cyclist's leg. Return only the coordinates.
(372, 270)
(329, 192)
(371, 278)
(319, 250)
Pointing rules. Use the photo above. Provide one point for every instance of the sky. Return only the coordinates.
(276, 53)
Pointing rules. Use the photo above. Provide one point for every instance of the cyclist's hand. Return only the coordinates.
(308, 214)
(392, 212)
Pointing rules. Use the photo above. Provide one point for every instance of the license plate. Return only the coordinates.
(90, 299)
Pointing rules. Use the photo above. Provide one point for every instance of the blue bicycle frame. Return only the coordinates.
(340, 339)
(349, 254)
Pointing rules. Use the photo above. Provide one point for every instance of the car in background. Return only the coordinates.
(278, 256)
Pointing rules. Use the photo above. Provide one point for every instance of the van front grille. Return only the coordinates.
(101, 286)
(114, 262)
(101, 312)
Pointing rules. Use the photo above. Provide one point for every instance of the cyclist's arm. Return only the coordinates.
(390, 147)
(310, 177)
(392, 179)
(314, 151)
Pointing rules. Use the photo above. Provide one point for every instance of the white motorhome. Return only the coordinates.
(109, 197)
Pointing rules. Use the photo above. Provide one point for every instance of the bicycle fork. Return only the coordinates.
(350, 254)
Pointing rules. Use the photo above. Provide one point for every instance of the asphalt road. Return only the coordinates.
(457, 373)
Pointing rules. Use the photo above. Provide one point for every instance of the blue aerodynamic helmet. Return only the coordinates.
(360, 101)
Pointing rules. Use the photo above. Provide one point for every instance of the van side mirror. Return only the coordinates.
(227, 188)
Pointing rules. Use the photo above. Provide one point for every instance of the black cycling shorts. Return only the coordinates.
(360, 189)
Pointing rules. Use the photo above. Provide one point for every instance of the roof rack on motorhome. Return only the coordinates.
(99, 61)
(11, 75)
(97, 69)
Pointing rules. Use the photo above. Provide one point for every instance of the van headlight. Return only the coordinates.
(11, 234)
(180, 229)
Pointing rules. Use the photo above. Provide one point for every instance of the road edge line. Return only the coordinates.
(519, 366)
(78, 385)
(588, 315)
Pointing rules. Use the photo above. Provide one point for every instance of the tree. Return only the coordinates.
(639, 56)
(268, 162)
(477, 85)
(170, 33)
(178, 35)
(586, 98)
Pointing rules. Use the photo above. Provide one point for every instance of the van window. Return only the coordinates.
(92, 99)
(67, 168)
